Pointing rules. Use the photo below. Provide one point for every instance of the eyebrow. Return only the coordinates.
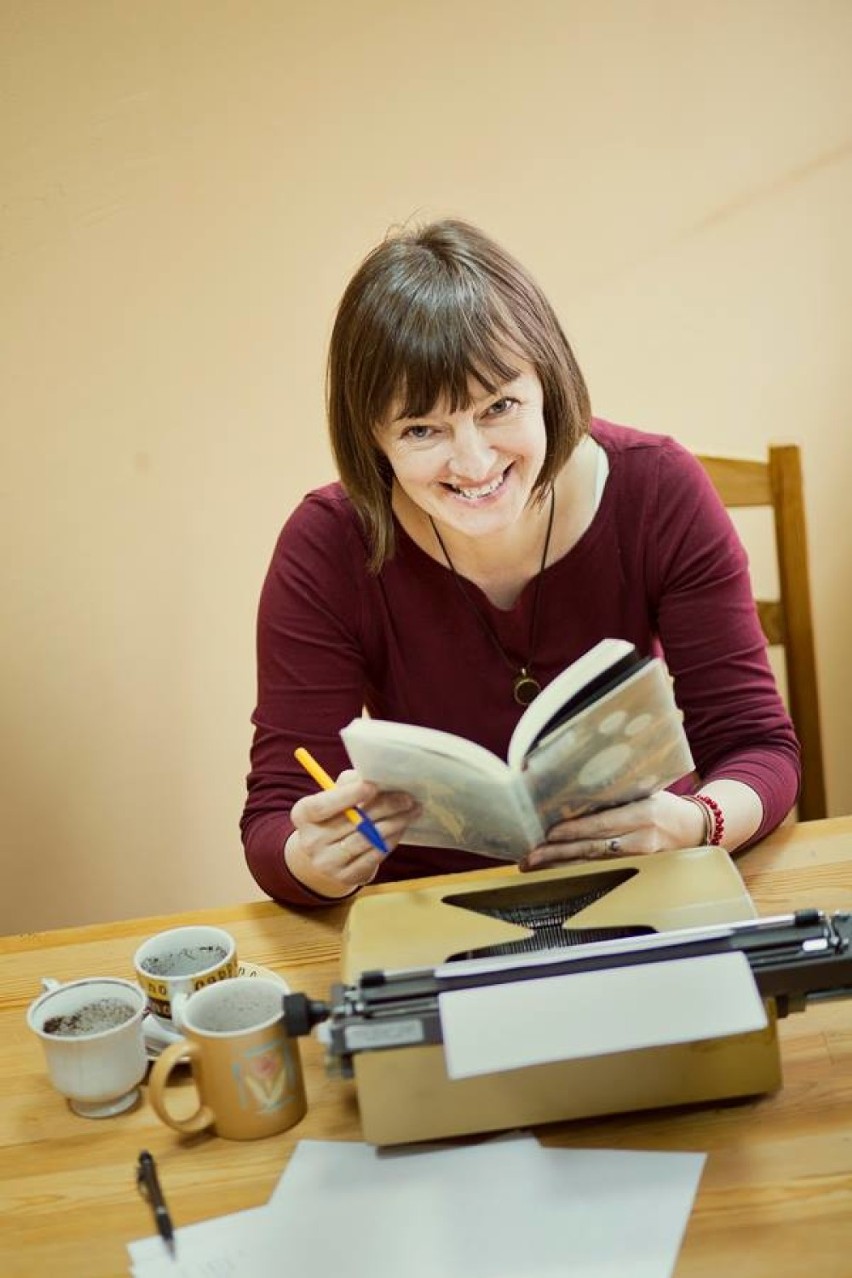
(495, 394)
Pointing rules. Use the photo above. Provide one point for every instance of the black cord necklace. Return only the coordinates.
(525, 687)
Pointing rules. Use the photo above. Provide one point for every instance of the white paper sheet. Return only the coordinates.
(217, 1248)
(498, 1209)
(508, 1025)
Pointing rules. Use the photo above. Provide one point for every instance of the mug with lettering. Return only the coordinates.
(247, 1071)
(174, 964)
(91, 1031)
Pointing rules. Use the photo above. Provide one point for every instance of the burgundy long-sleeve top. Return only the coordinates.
(660, 565)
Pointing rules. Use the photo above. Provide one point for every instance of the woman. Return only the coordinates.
(488, 531)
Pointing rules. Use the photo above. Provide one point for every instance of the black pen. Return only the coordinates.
(149, 1183)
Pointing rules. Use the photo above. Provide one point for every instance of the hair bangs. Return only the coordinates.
(438, 355)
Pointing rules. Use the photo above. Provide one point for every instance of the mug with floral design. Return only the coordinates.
(247, 1071)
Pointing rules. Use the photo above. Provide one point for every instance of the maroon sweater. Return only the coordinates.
(660, 565)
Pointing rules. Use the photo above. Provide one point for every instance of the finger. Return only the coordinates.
(612, 822)
(379, 803)
(391, 821)
(352, 847)
(369, 789)
(579, 850)
(345, 860)
(392, 806)
(360, 870)
(589, 829)
(324, 805)
(330, 868)
(347, 776)
(333, 845)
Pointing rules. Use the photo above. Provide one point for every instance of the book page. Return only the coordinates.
(384, 738)
(481, 809)
(620, 749)
(572, 680)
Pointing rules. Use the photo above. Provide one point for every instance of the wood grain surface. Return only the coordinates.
(776, 1194)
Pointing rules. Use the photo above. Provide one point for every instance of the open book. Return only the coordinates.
(605, 732)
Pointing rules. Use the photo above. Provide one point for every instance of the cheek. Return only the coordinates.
(534, 436)
(417, 468)
(416, 483)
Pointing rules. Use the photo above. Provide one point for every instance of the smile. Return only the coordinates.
(485, 490)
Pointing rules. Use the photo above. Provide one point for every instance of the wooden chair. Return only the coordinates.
(786, 621)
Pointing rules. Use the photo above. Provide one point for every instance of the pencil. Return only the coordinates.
(358, 818)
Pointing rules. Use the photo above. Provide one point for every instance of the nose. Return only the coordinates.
(472, 456)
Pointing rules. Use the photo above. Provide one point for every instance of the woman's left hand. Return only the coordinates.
(656, 824)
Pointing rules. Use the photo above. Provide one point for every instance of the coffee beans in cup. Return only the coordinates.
(91, 1018)
(185, 961)
(91, 1032)
(171, 965)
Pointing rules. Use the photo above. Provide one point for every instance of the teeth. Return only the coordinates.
(484, 491)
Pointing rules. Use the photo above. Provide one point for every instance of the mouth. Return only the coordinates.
(480, 492)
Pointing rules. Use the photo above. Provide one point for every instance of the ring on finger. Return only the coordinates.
(613, 846)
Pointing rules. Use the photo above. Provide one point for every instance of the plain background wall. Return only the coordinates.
(187, 185)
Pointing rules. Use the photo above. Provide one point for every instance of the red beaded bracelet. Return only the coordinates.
(706, 817)
(718, 820)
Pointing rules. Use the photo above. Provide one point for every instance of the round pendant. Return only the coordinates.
(525, 688)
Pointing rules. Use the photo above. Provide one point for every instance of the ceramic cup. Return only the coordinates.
(91, 1031)
(247, 1072)
(172, 965)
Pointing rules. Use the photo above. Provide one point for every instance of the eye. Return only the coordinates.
(501, 407)
(417, 433)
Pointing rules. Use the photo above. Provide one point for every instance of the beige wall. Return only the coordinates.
(186, 186)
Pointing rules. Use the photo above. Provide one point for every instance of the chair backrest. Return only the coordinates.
(786, 621)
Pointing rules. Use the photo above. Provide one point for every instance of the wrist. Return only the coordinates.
(700, 823)
(714, 819)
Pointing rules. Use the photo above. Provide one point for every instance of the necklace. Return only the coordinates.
(525, 687)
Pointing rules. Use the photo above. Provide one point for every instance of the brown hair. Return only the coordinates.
(427, 310)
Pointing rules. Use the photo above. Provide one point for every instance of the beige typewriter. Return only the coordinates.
(505, 942)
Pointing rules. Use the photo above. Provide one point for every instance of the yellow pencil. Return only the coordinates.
(358, 818)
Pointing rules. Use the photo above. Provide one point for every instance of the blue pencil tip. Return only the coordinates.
(370, 832)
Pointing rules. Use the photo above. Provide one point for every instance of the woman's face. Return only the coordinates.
(472, 471)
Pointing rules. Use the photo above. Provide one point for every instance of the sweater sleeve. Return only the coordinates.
(311, 680)
(734, 716)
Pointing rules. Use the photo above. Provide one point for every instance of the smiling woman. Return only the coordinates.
(434, 323)
(486, 532)
(476, 470)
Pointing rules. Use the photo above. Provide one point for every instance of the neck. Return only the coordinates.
(502, 586)
(513, 551)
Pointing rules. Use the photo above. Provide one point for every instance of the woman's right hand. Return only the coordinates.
(326, 852)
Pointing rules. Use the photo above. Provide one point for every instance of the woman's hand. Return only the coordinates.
(326, 852)
(656, 824)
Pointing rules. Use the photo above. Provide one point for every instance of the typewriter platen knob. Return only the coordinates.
(301, 1014)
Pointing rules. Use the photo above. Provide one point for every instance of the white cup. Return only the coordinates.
(172, 965)
(98, 1069)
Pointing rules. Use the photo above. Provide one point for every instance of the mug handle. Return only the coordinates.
(157, 1083)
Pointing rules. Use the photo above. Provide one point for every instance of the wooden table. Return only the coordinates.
(776, 1194)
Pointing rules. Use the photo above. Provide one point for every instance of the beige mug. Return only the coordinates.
(172, 965)
(247, 1071)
